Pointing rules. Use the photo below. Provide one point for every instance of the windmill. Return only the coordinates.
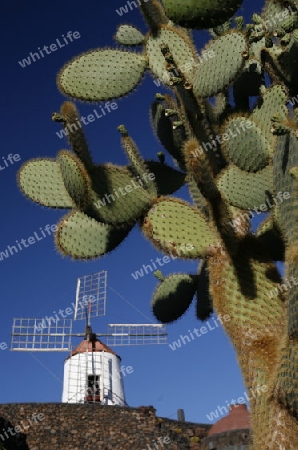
(92, 371)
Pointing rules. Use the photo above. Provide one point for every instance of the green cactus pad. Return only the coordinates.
(290, 23)
(244, 144)
(117, 198)
(273, 103)
(75, 178)
(41, 180)
(246, 190)
(75, 133)
(221, 29)
(255, 51)
(173, 297)
(215, 74)
(180, 47)
(167, 179)
(272, 10)
(172, 138)
(138, 165)
(204, 307)
(101, 75)
(200, 13)
(129, 35)
(82, 237)
(174, 227)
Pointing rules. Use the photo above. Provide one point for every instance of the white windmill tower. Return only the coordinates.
(92, 371)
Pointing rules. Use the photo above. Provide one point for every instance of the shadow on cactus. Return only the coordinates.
(105, 200)
(227, 126)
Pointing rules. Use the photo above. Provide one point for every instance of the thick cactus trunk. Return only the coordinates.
(259, 341)
(235, 166)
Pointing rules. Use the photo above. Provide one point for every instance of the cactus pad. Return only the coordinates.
(246, 190)
(271, 10)
(82, 237)
(128, 35)
(101, 75)
(180, 47)
(75, 178)
(138, 165)
(176, 228)
(173, 296)
(75, 134)
(200, 13)
(167, 179)
(172, 138)
(273, 103)
(117, 198)
(41, 180)
(244, 144)
(215, 74)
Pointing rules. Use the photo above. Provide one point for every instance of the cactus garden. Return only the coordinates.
(230, 134)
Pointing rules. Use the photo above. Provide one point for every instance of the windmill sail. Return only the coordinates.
(92, 371)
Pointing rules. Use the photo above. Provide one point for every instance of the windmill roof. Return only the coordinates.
(94, 345)
(237, 418)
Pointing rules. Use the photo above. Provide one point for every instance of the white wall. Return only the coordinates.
(106, 365)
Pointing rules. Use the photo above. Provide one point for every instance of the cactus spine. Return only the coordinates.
(229, 130)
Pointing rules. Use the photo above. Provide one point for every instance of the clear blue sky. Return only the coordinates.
(37, 280)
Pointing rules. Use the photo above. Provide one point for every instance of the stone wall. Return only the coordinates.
(62, 426)
(229, 440)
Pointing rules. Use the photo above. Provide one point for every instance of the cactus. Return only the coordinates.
(204, 307)
(228, 128)
(82, 237)
(106, 73)
(41, 180)
(190, 238)
(171, 137)
(75, 179)
(70, 118)
(128, 35)
(230, 51)
(173, 296)
(200, 14)
(243, 153)
(245, 190)
(97, 194)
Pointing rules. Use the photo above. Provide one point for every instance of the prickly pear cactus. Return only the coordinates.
(200, 14)
(225, 120)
